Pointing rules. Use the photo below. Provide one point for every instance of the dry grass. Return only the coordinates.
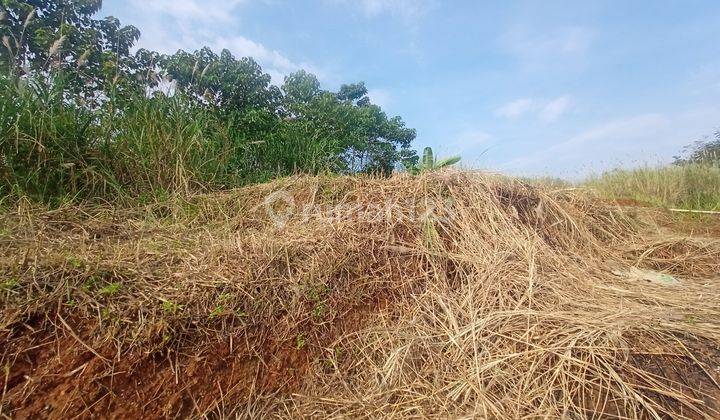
(502, 304)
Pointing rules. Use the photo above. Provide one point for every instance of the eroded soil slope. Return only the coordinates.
(449, 294)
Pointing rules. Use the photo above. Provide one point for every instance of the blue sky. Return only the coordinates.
(524, 87)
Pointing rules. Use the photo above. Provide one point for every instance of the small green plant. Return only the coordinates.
(319, 310)
(224, 297)
(105, 313)
(331, 360)
(111, 289)
(317, 293)
(75, 262)
(300, 341)
(170, 307)
(90, 283)
(9, 285)
(431, 163)
(217, 311)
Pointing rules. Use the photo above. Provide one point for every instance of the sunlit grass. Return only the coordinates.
(691, 186)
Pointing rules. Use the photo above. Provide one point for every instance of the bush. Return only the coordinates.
(47, 141)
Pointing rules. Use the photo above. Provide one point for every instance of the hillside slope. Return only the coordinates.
(447, 294)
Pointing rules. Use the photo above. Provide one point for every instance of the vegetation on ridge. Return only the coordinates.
(83, 116)
(468, 294)
(691, 182)
(142, 291)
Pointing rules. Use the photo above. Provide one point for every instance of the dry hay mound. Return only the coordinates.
(444, 295)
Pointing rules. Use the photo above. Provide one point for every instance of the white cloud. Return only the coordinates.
(470, 143)
(546, 111)
(641, 139)
(555, 108)
(471, 140)
(195, 10)
(272, 61)
(539, 46)
(380, 97)
(408, 10)
(516, 108)
(170, 25)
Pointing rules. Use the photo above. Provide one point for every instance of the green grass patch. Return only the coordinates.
(691, 186)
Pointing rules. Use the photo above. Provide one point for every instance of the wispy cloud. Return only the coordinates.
(470, 142)
(554, 109)
(473, 138)
(534, 46)
(516, 108)
(407, 10)
(191, 10)
(546, 111)
(169, 25)
(380, 97)
(639, 139)
(274, 62)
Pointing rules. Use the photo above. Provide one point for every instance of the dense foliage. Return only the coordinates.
(83, 115)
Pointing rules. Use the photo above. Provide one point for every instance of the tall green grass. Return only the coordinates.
(54, 149)
(690, 186)
(45, 141)
(167, 144)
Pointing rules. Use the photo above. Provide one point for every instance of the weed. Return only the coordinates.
(690, 186)
(319, 310)
(217, 311)
(9, 285)
(224, 297)
(75, 262)
(170, 307)
(90, 284)
(111, 289)
(316, 293)
(300, 341)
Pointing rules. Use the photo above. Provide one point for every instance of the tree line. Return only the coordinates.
(84, 115)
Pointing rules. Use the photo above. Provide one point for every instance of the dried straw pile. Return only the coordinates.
(449, 294)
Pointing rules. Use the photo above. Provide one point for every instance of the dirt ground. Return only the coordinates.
(136, 316)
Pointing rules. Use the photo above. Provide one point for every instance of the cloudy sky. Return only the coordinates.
(527, 87)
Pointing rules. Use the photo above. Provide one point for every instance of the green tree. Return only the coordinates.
(230, 84)
(50, 37)
(79, 113)
(301, 87)
(357, 134)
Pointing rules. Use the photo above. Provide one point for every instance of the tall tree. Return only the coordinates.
(233, 85)
(62, 37)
